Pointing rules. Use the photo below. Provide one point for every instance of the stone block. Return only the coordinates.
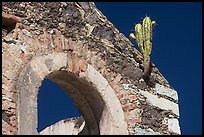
(173, 126)
(160, 89)
(140, 131)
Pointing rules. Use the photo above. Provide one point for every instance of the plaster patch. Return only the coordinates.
(166, 91)
(173, 125)
(160, 102)
(58, 60)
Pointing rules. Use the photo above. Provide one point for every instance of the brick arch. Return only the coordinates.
(90, 91)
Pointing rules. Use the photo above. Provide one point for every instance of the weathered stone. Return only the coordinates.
(161, 102)
(64, 127)
(8, 129)
(62, 25)
(132, 98)
(129, 107)
(151, 116)
(173, 125)
(166, 91)
(135, 120)
(139, 131)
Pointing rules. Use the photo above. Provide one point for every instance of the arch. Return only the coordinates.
(91, 93)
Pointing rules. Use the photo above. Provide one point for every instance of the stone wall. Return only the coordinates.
(74, 39)
(71, 126)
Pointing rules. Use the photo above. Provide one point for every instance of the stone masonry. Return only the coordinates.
(74, 45)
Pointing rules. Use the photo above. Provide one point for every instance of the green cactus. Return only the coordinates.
(143, 38)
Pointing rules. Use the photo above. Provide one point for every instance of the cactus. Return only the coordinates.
(143, 38)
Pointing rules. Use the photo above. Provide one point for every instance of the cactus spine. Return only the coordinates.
(143, 37)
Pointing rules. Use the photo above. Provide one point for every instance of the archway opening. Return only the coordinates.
(53, 105)
(85, 97)
(90, 91)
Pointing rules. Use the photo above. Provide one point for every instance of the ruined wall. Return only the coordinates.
(73, 44)
(70, 126)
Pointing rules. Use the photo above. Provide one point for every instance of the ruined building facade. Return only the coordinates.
(74, 45)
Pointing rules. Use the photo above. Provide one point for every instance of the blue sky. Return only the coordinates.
(176, 52)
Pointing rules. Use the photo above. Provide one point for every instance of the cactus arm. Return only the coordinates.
(139, 37)
(147, 30)
(132, 36)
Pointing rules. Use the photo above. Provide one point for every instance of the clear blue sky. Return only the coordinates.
(177, 53)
